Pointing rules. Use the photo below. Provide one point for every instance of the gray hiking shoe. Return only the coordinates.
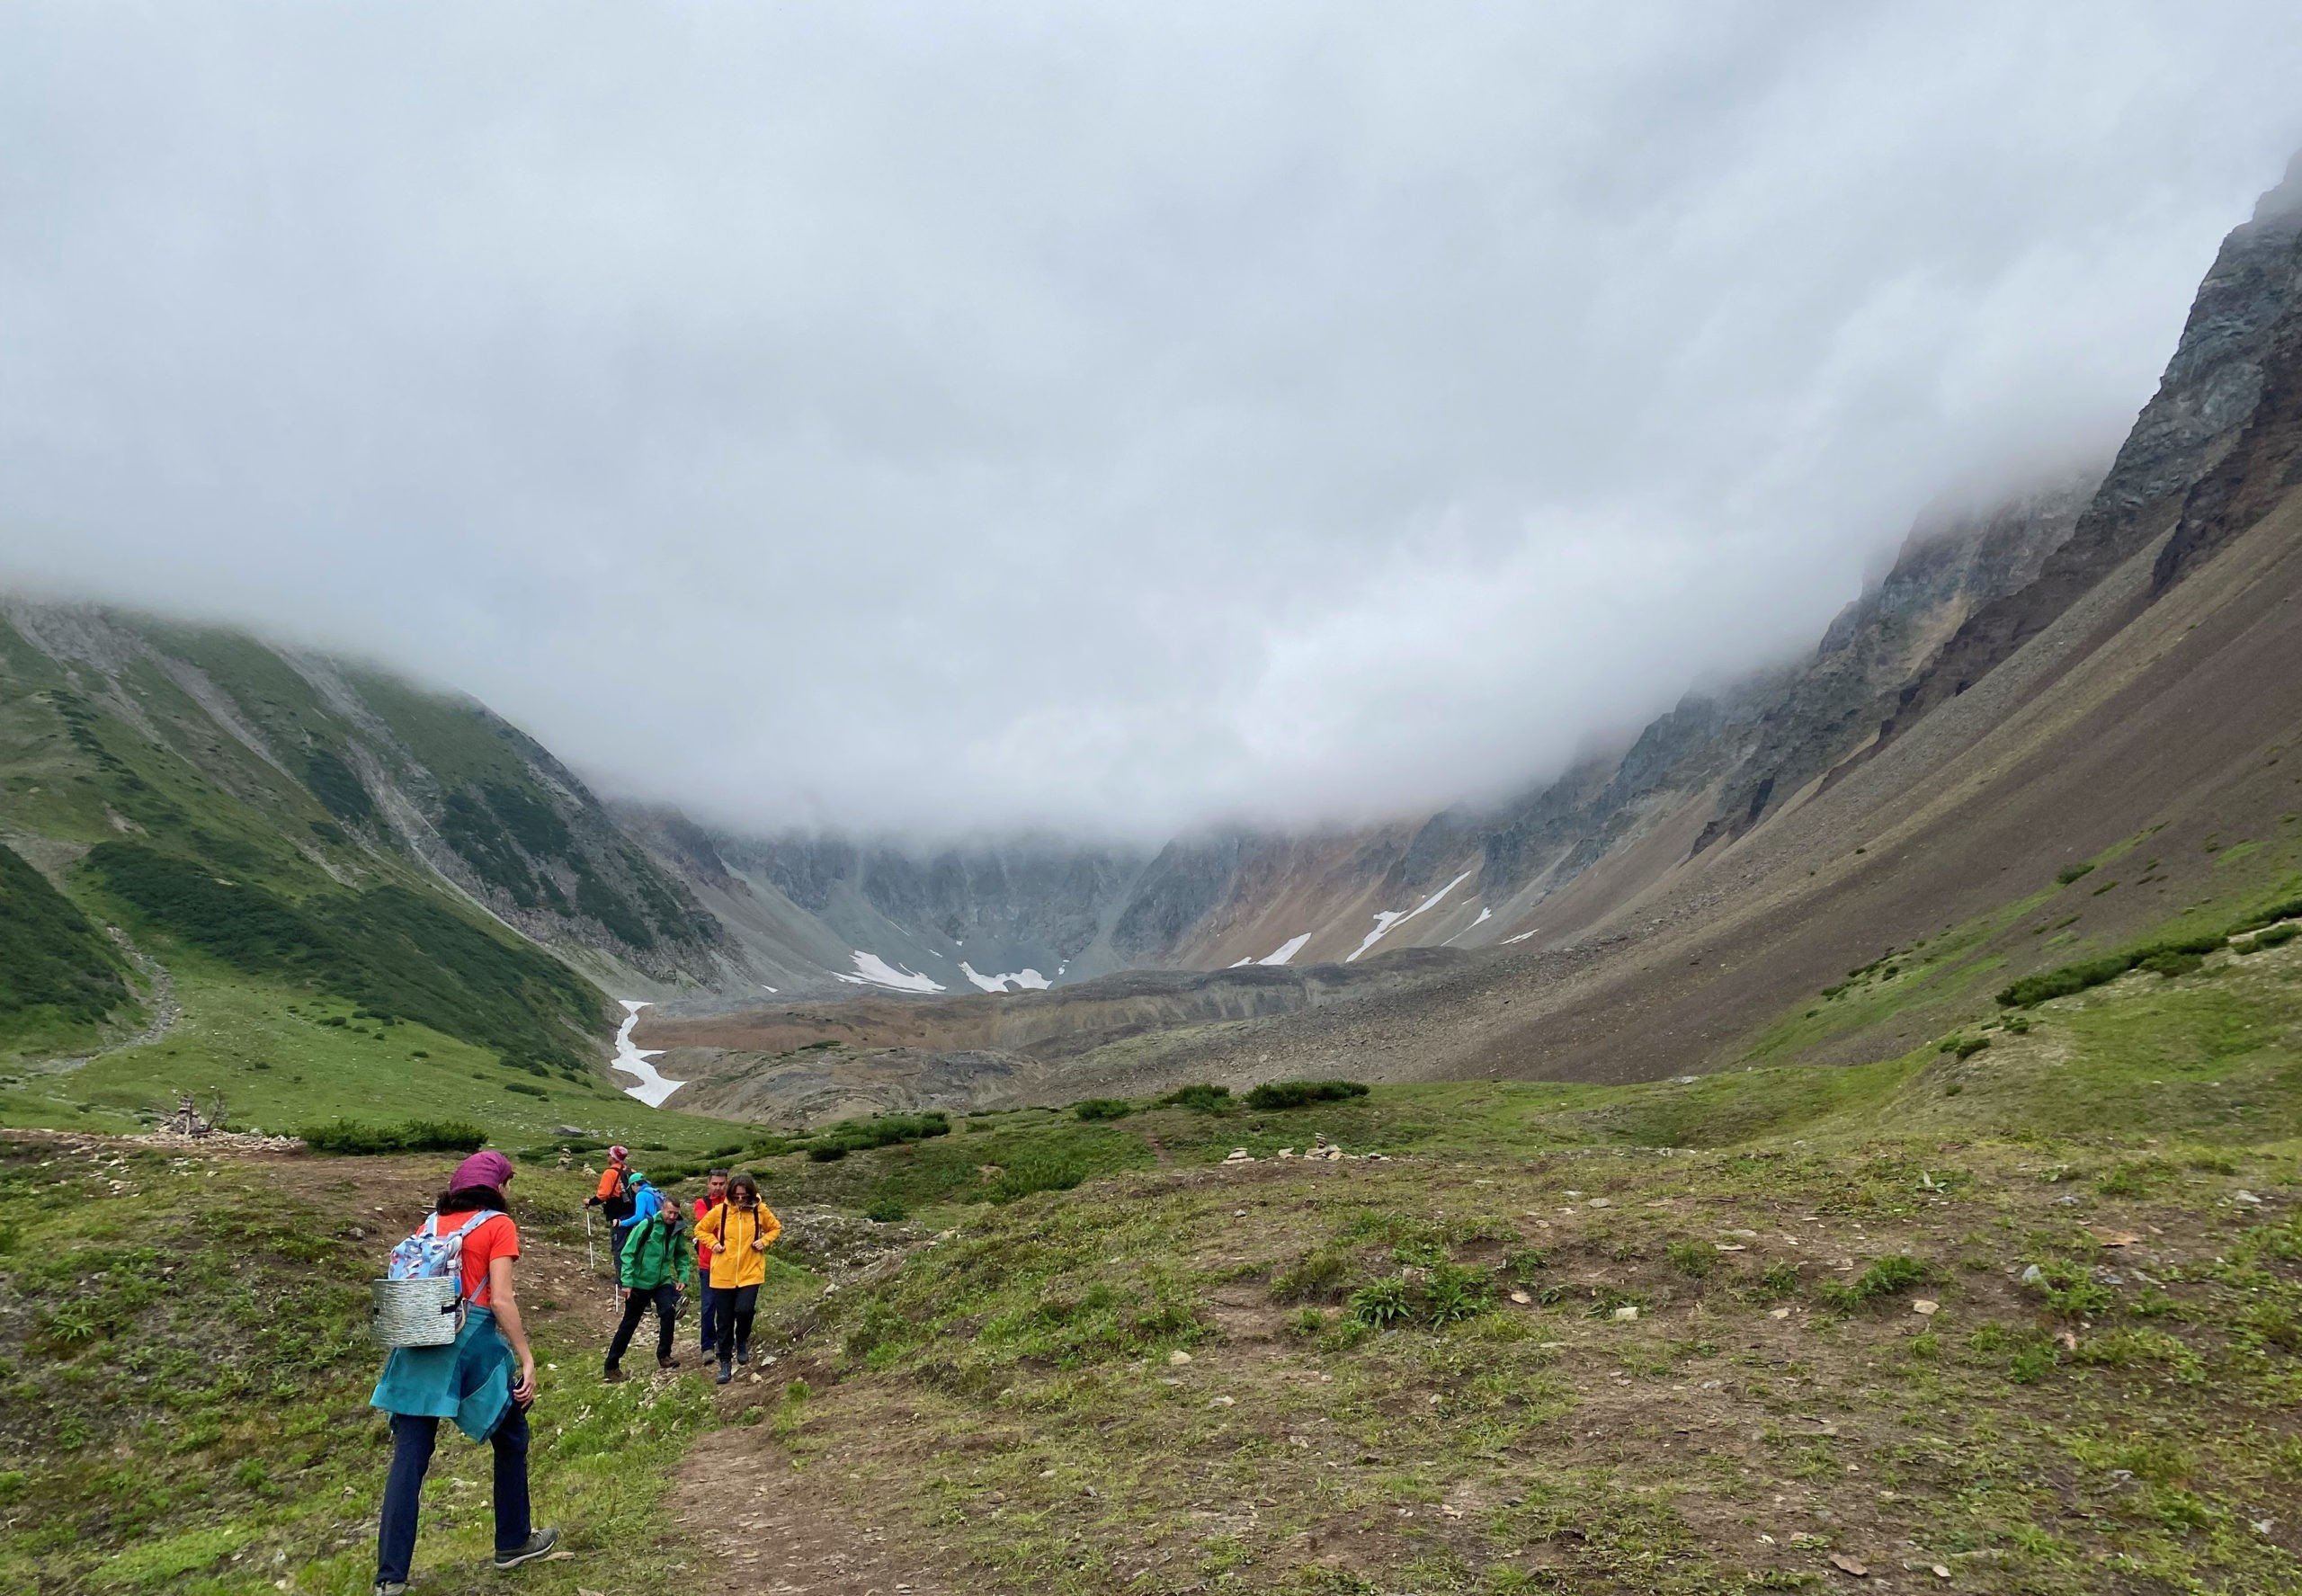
(535, 1546)
(391, 1588)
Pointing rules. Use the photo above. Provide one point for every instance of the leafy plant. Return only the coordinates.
(1298, 1094)
(1103, 1108)
(1201, 1098)
(352, 1137)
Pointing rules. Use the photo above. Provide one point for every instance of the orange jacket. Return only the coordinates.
(730, 1231)
(610, 1181)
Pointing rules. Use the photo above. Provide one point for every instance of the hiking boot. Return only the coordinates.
(528, 1550)
(743, 1354)
(726, 1372)
(612, 1374)
(391, 1588)
(670, 1363)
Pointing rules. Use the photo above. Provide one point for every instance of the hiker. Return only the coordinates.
(708, 1313)
(648, 1267)
(613, 1198)
(471, 1380)
(740, 1230)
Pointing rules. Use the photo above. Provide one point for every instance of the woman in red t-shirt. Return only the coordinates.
(489, 1250)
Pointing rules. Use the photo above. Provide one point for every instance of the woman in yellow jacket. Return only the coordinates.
(739, 1231)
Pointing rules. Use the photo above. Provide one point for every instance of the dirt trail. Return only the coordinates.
(768, 1529)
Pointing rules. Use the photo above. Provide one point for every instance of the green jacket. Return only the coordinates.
(655, 1253)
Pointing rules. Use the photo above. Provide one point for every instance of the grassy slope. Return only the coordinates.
(186, 1367)
(237, 875)
(1007, 1394)
(279, 1066)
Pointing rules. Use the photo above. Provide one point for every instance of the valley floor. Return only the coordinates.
(2027, 1320)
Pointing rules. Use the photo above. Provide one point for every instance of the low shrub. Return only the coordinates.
(887, 1213)
(2072, 872)
(1896, 1272)
(1201, 1098)
(1298, 1094)
(353, 1137)
(1103, 1108)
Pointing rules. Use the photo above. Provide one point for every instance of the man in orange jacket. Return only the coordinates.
(614, 1196)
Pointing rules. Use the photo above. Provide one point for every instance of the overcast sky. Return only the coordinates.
(1115, 416)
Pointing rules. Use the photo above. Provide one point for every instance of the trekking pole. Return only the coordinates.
(589, 1257)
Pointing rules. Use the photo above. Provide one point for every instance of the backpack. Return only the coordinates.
(427, 1255)
(647, 1202)
(617, 1207)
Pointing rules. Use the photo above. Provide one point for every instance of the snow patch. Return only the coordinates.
(652, 1088)
(1484, 915)
(1023, 980)
(1286, 950)
(871, 970)
(1386, 918)
(1521, 936)
(763, 986)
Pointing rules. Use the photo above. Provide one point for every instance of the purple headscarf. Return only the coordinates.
(485, 1168)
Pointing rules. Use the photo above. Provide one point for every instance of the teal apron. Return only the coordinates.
(468, 1380)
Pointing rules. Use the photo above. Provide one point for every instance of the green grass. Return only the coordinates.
(283, 1058)
(191, 1385)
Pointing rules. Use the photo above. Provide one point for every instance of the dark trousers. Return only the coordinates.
(413, 1438)
(711, 1314)
(737, 1304)
(665, 1300)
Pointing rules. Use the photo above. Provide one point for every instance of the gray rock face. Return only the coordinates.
(2209, 395)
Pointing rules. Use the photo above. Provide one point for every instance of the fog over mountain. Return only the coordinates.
(1107, 418)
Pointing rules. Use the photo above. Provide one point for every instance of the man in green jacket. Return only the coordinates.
(648, 1268)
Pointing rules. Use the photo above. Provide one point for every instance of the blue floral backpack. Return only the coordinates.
(420, 1301)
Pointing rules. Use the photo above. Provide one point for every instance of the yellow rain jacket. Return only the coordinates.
(731, 1231)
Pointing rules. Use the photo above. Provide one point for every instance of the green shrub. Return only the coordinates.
(355, 1137)
(1201, 1098)
(1896, 1272)
(1453, 1292)
(886, 1212)
(1298, 1094)
(1318, 1273)
(1381, 1303)
(524, 1090)
(1691, 1258)
(1103, 1108)
(2072, 872)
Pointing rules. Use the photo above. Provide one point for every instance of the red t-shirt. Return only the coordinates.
(491, 1239)
(704, 1205)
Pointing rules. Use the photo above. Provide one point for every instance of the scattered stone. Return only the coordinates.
(1178, 1357)
(1925, 1307)
(2245, 1199)
(1853, 1565)
(1238, 1213)
(1777, 1313)
(1730, 1246)
(1239, 1156)
(1601, 1202)
(2033, 1276)
(1521, 1298)
(1940, 1573)
(1626, 1314)
(1222, 1402)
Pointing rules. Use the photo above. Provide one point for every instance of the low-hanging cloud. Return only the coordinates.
(1103, 416)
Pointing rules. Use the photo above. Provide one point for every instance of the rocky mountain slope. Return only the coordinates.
(174, 795)
(2105, 667)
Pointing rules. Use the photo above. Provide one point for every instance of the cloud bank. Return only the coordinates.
(1109, 417)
